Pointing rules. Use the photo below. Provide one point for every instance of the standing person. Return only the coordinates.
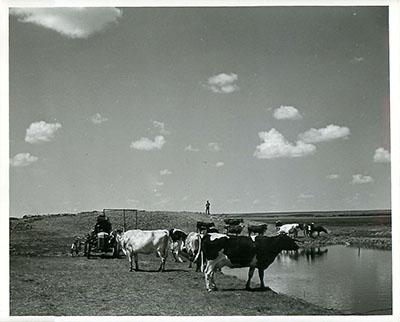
(207, 207)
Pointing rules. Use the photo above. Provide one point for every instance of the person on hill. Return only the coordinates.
(207, 207)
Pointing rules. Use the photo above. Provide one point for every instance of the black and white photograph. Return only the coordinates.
(211, 161)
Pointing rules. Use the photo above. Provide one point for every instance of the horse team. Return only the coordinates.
(211, 250)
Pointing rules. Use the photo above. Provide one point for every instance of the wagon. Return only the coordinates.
(101, 244)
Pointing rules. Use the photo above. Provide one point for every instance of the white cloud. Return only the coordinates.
(214, 146)
(159, 183)
(146, 144)
(165, 172)
(219, 164)
(276, 146)
(70, 22)
(39, 132)
(331, 132)
(98, 118)
(223, 83)
(287, 113)
(256, 201)
(332, 176)
(357, 60)
(22, 160)
(360, 179)
(161, 127)
(381, 156)
(191, 148)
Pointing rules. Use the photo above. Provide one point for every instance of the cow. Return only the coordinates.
(233, 222)
(204, 226)
(233, 229)
(317, 229)
(193, 250)
(178, 238)
(257, 229)
(289, 229)
(242, 251)
(305, 228)
(278, 224)
(134, 242)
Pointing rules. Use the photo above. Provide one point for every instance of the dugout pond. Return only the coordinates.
(349, 279)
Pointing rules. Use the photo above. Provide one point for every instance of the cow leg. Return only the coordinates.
(208, 275)
(136, 262)
(130, 256)
(163, 256)
(250, 275)
(261, 276)
(178, 250)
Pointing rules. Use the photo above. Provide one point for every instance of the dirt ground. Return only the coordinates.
(46, 280)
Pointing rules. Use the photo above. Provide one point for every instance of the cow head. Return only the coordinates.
(287, 243)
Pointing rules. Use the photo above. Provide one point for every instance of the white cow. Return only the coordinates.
(193, 249)
(289, 229)
(134, 242)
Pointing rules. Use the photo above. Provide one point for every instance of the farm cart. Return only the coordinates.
(101, 244)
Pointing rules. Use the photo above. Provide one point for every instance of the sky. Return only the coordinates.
(256, 109)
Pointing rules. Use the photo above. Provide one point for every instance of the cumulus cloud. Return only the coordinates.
(98, 118)
(360, 179)
(223, 83)
(160, 126)
(39, 132)
(276, 146)
(165, 172)
(332, 176)
(357, 60)
(287, 113)
(381, 156)
(219, 164)
(191, 148)
(70, 22)
(331, 132)
(214, 146)
(146, 144)
(159, 183)
(22, 160)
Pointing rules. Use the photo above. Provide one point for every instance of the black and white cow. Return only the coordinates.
(178, 238)
(242, 251)
(134, 242)
(204, 226)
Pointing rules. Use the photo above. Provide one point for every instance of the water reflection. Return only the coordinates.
(311, 254)
(352, 280)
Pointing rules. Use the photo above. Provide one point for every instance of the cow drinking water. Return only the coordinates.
(241, 251)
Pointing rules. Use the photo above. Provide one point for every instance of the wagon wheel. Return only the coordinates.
(116, 251)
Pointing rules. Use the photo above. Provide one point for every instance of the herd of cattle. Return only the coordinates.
(212, 250)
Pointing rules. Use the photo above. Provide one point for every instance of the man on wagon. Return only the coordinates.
(102, 230)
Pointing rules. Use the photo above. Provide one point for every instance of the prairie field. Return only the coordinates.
(46, 280)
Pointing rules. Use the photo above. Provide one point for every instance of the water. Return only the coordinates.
(352, 280)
